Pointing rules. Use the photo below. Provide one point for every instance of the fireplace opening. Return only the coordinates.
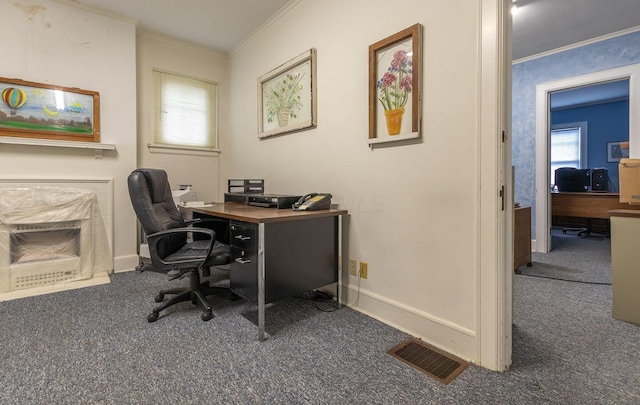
(38, 242)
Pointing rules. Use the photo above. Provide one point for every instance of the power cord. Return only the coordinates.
(323, 301)
(564, 279)
(355, 304)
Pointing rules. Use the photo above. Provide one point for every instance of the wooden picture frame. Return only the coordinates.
(287, 99)
(394, 87)
(617, 150)
(44, 111)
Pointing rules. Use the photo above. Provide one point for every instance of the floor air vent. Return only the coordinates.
(443, 367)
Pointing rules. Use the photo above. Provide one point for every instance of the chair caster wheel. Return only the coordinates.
(206, 315)
(152, 317)
(159, 297)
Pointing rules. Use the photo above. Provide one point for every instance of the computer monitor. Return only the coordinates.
(569, 179)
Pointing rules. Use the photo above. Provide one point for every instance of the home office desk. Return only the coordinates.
(278, 253)
(587, 205)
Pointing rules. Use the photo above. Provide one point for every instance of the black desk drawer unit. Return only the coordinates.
(244, 260)
(299, 256)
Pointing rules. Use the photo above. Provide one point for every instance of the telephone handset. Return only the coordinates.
(313, 201)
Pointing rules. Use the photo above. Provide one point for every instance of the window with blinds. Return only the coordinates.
(185, 112)
(568, 147)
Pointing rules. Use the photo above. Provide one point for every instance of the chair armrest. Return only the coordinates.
(154, 238)
(221, 236)
(206, 220)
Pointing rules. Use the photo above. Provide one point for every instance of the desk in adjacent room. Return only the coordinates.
(278, 253)
(587, 205)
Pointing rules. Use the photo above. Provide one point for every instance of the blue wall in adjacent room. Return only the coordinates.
(596, 57)
(606, 122)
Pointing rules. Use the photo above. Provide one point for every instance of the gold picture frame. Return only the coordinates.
(44, 111)
(394, 87)
(287, 99)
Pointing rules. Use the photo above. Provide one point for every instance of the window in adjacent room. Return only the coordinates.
(185, 112)
(568, 147)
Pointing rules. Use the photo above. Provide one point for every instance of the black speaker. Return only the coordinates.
(599, 178)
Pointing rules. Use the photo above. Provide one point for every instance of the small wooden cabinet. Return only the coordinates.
(521, 237)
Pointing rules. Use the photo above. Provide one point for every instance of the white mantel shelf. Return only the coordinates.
(97, 147)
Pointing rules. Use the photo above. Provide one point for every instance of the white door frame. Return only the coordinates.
(543, 96)
(494, 317)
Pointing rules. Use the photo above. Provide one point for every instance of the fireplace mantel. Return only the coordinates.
(97, 147)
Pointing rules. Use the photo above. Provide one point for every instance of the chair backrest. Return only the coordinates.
(152, 201)
(569, 179)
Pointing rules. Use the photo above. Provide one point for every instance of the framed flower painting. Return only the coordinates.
(287, 97)
(394, 87)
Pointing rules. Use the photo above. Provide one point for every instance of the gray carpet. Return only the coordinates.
(94, 346)
(572, 258)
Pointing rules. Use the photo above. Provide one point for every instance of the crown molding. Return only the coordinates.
(578, 45)
(174, 41)
(283, 11)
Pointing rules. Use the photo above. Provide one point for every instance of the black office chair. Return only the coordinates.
(170, 251)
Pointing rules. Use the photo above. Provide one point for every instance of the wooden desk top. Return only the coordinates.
(587, 193)
(256, 215)
(630, 213)
(587, 204)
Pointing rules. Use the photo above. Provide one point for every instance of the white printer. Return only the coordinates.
(183, 194)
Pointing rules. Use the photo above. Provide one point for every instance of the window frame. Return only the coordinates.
(182, 149)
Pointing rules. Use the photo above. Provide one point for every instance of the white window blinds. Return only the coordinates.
(185, 111)
(568, 146)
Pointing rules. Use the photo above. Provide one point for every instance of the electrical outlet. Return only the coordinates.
(363, 269)
(353, 267)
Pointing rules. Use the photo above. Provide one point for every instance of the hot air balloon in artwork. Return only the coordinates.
(14, 98)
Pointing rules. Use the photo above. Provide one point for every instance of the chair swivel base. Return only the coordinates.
(196, 293)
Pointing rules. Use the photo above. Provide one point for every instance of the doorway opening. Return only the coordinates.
(544, 93)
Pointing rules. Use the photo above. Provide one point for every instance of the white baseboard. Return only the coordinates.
(445, 335)
(125, 263)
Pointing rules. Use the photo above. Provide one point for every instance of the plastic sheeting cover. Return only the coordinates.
(40, 205)
(22, 207)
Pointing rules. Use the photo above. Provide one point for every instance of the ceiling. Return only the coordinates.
(595, 93)
(543, 25)
(539, 26)
(222, 25)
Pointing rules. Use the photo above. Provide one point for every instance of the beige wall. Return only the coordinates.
(183, 167)
(61, 45)
(415, 208)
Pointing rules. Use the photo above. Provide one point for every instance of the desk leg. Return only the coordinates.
(342, 253)
(261, 283)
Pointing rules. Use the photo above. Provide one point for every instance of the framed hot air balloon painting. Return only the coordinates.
(37, 110)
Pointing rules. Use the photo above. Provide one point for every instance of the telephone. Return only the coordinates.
(313, 201)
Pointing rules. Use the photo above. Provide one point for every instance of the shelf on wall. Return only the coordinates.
(97, 147)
